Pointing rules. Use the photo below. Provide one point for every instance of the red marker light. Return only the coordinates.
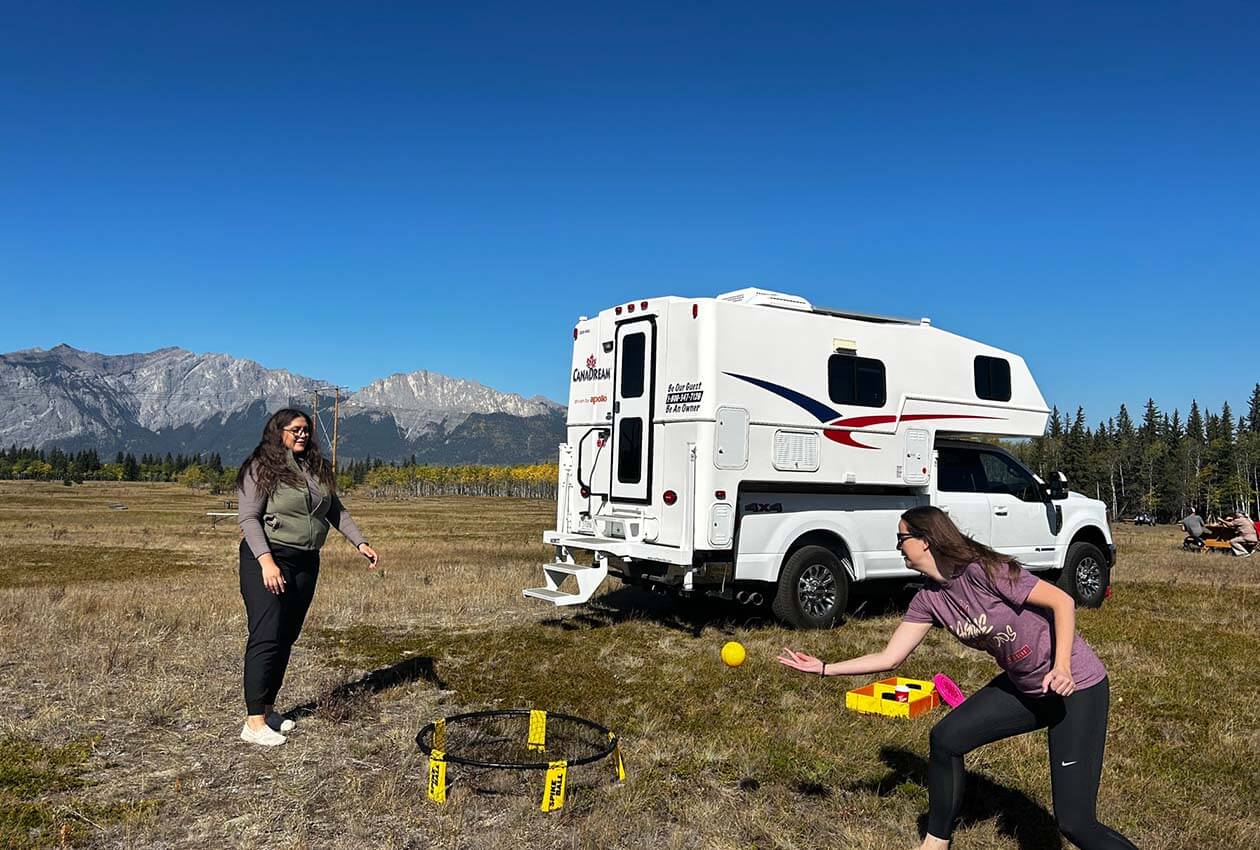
(643, 306)
(719, 494)
(586, 492)
(695, 311)
(629, 308)
(670, 497)
(575, 331)
(617, 310)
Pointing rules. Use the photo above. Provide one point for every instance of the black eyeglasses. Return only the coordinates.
(902, 537)
(297, 432)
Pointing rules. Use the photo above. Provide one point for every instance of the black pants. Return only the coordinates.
(275, 620)
(1077, 727)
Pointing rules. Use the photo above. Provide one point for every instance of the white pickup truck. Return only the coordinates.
(755, 447)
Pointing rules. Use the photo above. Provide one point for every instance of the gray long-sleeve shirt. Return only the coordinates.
(323, 510)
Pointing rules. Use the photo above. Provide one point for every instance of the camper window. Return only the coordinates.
(630, 451)
(632, 363)
(993, 379)
(856, 380)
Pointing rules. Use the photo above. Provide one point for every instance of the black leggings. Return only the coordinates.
(275, 620)
(1077, 727)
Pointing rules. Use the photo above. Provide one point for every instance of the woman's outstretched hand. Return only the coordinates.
(801, 661)
(369, 553)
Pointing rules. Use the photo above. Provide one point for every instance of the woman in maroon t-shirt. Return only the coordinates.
(1051, 678)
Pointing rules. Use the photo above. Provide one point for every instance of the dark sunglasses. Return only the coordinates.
(903, 537)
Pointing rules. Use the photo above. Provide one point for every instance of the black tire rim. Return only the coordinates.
(1089, 577)
(816, 590)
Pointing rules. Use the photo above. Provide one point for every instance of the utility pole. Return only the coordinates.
(336, 412)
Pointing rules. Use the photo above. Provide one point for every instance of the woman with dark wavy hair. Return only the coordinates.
(287, 502)
(1051, 678)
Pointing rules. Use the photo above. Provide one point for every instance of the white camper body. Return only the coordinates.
(711, 440)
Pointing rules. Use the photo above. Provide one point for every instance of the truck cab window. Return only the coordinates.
(1006, 476)
(960, 471)
(856, 380)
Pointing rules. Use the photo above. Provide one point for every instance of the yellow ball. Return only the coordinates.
(733, 653)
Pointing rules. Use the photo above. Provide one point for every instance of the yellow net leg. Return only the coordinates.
(537, 731)
(621, 766)
(437, 776)
(553, 786)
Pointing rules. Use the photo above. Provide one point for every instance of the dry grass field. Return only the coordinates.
(122, 633)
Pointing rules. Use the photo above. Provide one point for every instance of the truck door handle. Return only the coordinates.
(999, 511)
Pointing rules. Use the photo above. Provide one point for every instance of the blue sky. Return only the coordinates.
(351, 190)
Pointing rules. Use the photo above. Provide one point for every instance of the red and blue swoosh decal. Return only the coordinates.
(832, 419)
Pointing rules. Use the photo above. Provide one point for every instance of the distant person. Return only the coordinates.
(1244, 542)
(1195, 529)
(1051, 678)
(287, 502)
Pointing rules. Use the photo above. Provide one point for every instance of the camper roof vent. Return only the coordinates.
(766, 298)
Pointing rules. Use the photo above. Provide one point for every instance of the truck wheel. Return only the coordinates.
(1085, 574)
(813, 589)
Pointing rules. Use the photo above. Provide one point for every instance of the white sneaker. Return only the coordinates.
(279, 723)
(264, 736)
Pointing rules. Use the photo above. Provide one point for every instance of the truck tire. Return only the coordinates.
(1085, 575)
(813, 589)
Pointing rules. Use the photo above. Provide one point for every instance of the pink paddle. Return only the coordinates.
(949, 691)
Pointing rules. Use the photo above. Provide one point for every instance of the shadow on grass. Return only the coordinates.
(342, 699)
(1017, 815)
(690, 616)
(693, 615)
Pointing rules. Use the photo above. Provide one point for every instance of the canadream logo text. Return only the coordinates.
(592, 372)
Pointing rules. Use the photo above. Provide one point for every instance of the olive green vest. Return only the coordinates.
(291, 518)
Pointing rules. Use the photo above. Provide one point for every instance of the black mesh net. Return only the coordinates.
(506, 752)
(502, 739)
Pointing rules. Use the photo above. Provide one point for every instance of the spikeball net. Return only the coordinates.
(497, 752)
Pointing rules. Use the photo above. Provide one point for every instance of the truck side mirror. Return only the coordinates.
(1057, 488)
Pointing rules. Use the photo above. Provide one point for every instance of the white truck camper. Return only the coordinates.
(755, 447)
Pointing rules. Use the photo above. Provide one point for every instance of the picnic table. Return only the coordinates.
(1218, 536)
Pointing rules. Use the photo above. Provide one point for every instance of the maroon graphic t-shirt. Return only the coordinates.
(992, 616)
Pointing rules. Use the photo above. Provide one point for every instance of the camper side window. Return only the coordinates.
(993, 379)
(856, 380)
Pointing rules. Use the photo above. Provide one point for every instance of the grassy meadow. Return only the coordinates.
(121, 637)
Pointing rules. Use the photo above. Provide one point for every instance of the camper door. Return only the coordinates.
(632, 411)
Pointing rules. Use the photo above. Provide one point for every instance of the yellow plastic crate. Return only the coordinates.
(878, 698)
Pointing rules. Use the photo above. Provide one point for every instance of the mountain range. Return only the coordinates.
(172, 400)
